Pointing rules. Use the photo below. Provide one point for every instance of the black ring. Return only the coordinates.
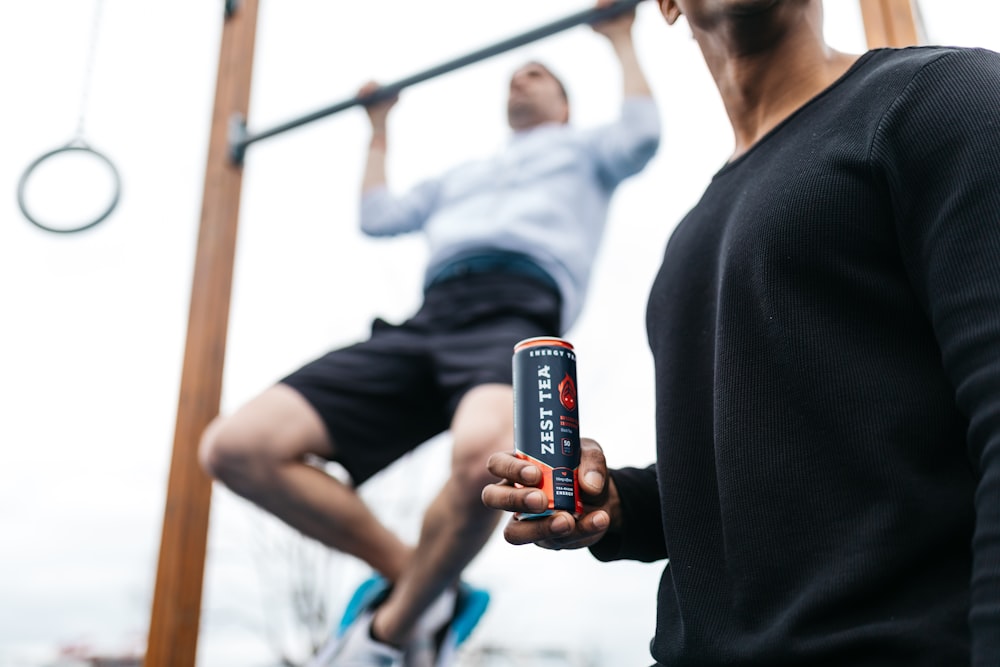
(22, 184)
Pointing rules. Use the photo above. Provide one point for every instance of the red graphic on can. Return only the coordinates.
(567, 393)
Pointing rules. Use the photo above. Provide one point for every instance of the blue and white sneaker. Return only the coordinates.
(441, 649)
(437, 650)
(352, 645)
(371, 593)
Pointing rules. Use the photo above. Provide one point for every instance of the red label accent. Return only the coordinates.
(567, 393)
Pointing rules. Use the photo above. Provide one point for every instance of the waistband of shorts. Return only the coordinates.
(493, 261)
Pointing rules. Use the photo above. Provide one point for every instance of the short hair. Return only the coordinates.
(562, 88)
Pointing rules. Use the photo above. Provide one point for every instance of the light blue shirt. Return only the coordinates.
(545, 195)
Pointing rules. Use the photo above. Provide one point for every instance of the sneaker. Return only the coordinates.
(371, 593)
(353, 645)
(440, 650)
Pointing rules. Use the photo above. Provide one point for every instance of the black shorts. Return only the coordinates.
(385, 396)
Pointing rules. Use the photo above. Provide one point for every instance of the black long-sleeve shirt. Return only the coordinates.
(826, 334)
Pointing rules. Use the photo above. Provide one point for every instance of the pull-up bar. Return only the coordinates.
(240, 138)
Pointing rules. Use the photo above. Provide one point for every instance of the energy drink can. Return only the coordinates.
(546, 421)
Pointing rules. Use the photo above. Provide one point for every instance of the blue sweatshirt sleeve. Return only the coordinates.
(624, 147)
(384, 214)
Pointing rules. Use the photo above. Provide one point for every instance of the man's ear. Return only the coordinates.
(671, 12)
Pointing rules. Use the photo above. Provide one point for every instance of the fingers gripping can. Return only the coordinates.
(546, 419)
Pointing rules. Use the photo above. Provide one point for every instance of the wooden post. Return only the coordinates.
(173, 629)
(891, 22)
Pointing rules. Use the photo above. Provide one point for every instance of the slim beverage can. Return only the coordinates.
(546, 419)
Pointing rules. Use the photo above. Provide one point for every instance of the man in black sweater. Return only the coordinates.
(826, 334)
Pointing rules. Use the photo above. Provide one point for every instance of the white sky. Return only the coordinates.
(93, 324)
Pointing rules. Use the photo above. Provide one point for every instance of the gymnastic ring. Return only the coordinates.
(72, 146)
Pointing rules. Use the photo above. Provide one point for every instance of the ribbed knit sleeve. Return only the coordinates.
(938, 149)
(641, 537)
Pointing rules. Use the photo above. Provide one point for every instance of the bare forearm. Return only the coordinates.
(633, 79)
(378, 114)
(374, 175)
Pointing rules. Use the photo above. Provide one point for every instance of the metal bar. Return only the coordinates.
(240, 138)
(173, 626)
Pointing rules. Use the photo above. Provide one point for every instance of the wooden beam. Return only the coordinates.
(891, 23)
(176, 613)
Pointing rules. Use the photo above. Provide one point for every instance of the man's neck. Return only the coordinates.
(763, 84)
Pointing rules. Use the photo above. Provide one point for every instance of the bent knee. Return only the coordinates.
(275, 428)
(469, 458)
(228, 451)
(483, 423)
(215, 450)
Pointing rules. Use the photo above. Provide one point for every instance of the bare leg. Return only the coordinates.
(259, 453)
(456, 524)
